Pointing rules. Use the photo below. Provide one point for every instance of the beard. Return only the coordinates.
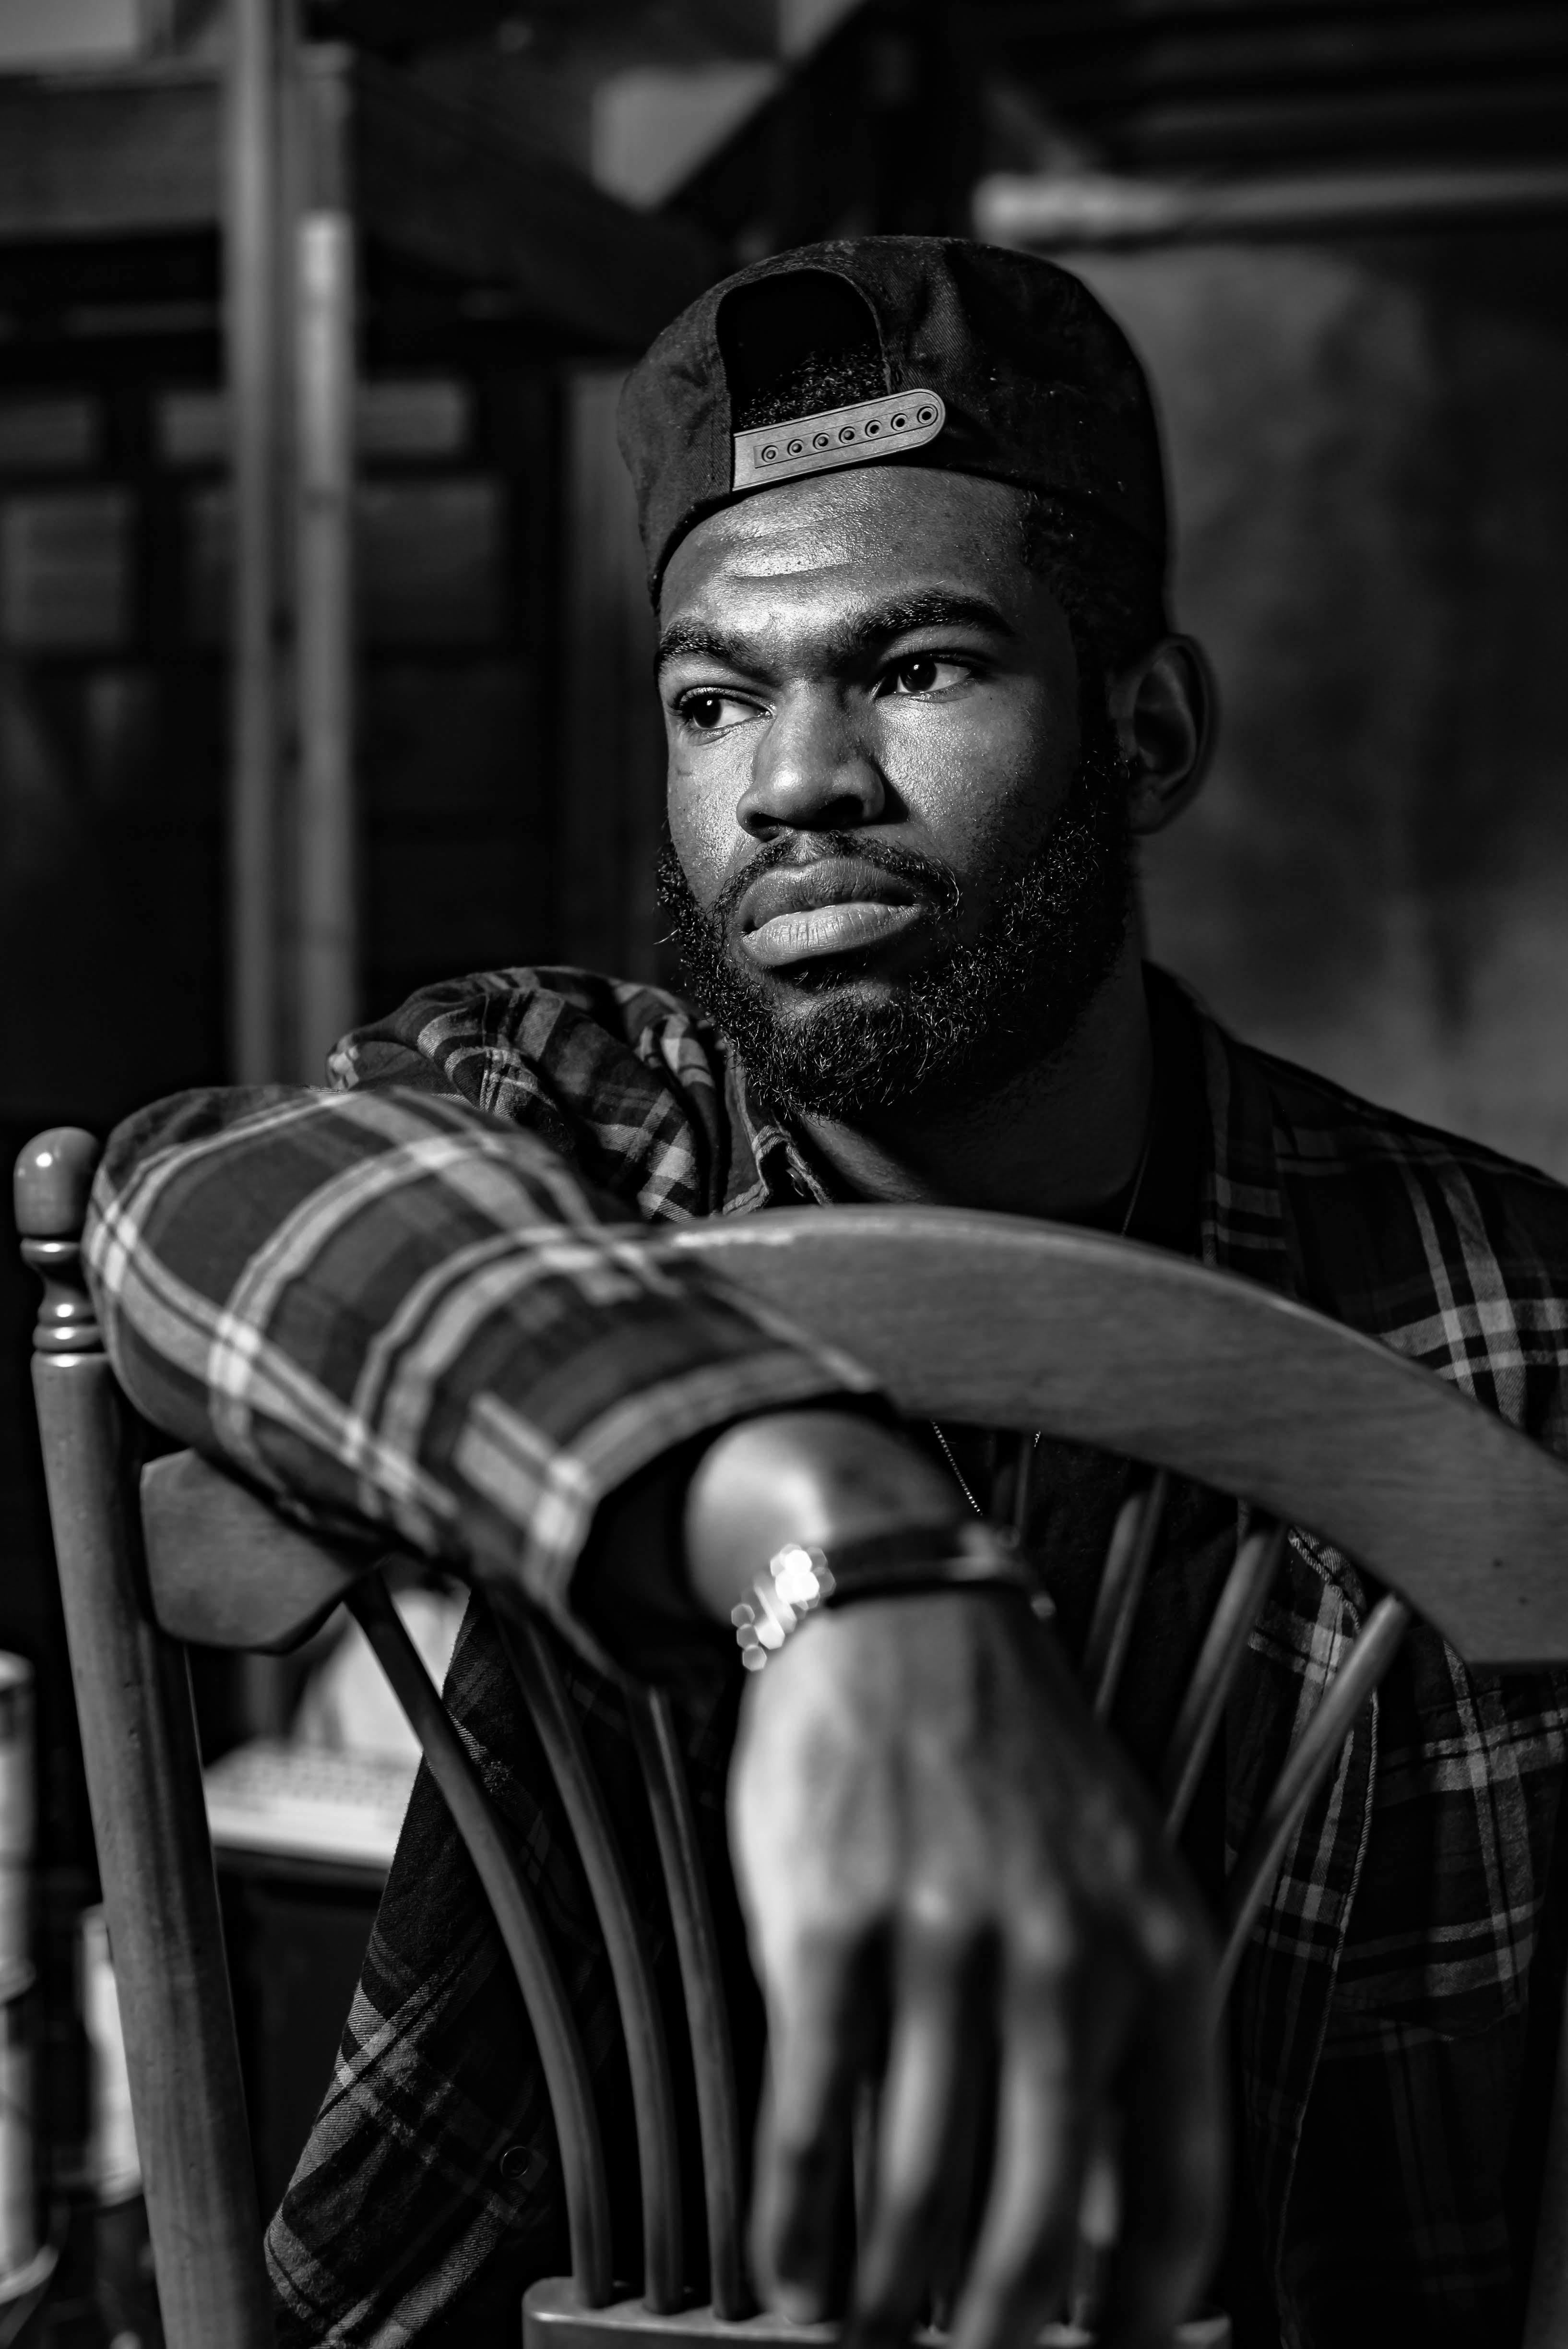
(978, 1012)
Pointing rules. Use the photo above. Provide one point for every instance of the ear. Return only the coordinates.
(1162, 707)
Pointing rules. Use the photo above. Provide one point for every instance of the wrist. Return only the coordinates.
(820, 1478)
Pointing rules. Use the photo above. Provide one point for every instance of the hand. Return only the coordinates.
(960, 1905)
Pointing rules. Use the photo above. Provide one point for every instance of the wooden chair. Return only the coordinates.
(987, 1320)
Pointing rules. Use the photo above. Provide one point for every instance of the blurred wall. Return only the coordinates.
(1366, 449)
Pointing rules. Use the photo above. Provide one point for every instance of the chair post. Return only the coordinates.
(144, 1784)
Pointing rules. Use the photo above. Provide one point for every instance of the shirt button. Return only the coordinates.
(519, 2162)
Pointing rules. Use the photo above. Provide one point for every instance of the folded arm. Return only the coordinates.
(403, 1317)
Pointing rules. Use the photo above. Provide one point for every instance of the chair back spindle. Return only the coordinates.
(1236, 1611)
(561, 2052)
(1127, 1564)
(1306, 1767)
(708, 2008)
(538, 1675)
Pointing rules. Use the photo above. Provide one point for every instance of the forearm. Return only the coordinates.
(408, 1319)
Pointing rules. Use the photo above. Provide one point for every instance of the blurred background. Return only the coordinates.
(323, 641)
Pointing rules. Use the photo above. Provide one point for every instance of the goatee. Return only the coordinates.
(978, 1011)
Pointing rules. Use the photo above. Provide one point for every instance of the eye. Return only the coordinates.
(924, 673)
(709, 711)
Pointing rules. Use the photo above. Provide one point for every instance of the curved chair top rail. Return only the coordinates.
(1109, 1343)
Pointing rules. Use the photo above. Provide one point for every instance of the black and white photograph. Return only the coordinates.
(784, 1030)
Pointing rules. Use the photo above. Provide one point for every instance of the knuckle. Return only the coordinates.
(1173, 1942)
(939, 1922)
(1047, 1944)
(1165, 1938)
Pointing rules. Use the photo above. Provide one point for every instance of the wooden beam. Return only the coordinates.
(134, 154)
(1058, 211)
(438, 183)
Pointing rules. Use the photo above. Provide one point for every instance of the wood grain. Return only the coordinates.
(1012, 1323)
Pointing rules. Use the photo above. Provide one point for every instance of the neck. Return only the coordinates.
(1062, 1139)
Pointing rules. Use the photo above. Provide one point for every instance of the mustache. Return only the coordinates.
(926, 876)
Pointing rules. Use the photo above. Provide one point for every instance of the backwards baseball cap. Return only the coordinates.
(957, 355)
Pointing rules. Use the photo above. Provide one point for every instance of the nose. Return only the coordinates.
(812, 770)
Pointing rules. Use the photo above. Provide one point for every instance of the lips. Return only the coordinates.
(841, 905)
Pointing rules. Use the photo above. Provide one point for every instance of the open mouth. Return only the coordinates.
(841, 905)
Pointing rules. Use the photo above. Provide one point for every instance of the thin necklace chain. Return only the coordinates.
(1024, 1457)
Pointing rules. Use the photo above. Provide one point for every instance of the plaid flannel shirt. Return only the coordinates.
(419, 1302)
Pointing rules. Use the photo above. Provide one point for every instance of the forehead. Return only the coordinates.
(849, 535)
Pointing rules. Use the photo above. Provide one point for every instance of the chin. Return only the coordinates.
(807, 988)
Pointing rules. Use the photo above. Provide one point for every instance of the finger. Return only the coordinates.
(925, 2152)
(1173, 2169)
(803, 2218)
(1018, 2276)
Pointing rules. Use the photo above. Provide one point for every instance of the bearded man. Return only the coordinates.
(903, 507)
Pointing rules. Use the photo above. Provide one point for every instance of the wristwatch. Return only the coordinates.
(804, 1576)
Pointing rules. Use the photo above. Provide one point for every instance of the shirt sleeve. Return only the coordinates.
(406, 1318)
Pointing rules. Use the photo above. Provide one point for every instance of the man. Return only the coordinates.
(903, 508)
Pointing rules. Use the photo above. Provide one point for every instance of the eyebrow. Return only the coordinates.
(867, 633)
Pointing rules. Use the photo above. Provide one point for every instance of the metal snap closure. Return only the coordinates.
(769, 455)
(521, 2162)
(796, 448)
(873, 428)
(821, 441)
(846, 431)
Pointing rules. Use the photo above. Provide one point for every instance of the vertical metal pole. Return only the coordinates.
(326, 890)
(256, 325)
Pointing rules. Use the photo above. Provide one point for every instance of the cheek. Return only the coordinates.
(978, 774)
(703, 832)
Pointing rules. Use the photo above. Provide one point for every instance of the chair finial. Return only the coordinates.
(52, 1179)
